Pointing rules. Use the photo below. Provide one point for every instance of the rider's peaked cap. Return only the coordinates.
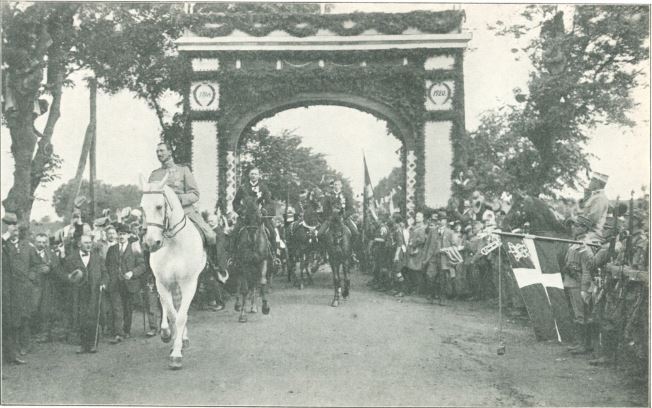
(600, 177)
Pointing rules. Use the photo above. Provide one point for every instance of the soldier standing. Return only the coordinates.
(578, 268)
(595, 207)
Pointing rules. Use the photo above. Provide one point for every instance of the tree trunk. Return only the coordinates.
(24, 84)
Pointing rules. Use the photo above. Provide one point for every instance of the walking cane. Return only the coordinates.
(144, 299)
(97, 324)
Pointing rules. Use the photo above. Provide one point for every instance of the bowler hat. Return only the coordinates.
(121, 228)
(10, 218)
(442, 215)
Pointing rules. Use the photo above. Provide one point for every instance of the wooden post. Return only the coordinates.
(88, 140)
(92, 85)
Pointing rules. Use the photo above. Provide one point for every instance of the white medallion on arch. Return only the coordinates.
(439, 95)
(204, 96)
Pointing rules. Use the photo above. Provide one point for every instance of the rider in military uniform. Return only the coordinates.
(336, 203)
(595, 207)
(578, 276)
(181, 180)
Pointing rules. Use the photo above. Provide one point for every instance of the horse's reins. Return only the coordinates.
(167, 231)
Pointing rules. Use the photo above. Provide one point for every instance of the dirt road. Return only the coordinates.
(372, 350)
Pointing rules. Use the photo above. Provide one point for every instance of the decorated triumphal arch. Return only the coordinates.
(404, 68)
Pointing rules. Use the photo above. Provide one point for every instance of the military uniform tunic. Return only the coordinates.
(595, 209)
(181, 181)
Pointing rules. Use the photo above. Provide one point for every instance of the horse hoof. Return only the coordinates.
(175, 363)
(266, 308)
(335, 303)
(243, 319)
(185, 343)
(237, 307)
(166, 336)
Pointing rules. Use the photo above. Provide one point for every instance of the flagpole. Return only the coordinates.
(568, 241)
(364, 202)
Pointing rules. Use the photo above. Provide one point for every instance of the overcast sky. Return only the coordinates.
(128, 130)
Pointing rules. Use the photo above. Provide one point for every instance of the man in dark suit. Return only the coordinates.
(13, 298)
(254, 187)
(338, 208)
(49, 307)
(24, 284)
(86, 271)
(125, 265)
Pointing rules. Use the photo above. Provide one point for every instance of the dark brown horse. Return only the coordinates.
(252, 254)
(302, 244)
(338, 245)
(539, 216)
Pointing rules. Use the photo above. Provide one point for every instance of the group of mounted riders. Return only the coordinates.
(322, 230)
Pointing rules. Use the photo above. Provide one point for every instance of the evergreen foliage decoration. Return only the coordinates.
(219, 22)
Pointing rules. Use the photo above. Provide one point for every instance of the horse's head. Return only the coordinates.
(516, 215)
(251, 214)
(158, 203)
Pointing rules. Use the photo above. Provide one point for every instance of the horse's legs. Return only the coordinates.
(243, 286)
(237, 305)
(187, 288)
(347, 281)
(167, 311)
(336, 283)
(263, 286)
(252, 295)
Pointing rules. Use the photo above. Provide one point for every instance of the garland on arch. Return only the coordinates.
(306, 24)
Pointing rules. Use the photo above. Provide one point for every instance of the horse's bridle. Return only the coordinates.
(167, 231)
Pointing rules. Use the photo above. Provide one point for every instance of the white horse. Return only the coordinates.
(177, 257)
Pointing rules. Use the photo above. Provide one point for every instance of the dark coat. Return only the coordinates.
(263, 195)
(23, 280)
(87, 291)
(117, 264)
(334, 202)
(51, 279)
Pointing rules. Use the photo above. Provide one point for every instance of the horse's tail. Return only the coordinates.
(176, 295)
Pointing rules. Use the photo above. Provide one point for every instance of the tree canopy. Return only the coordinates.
(582, 75)
(107, 196)
(286, 165)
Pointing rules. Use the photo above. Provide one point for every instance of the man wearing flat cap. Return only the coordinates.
(595, 207)
(124, 266)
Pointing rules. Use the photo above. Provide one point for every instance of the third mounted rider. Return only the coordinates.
(338, 208)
